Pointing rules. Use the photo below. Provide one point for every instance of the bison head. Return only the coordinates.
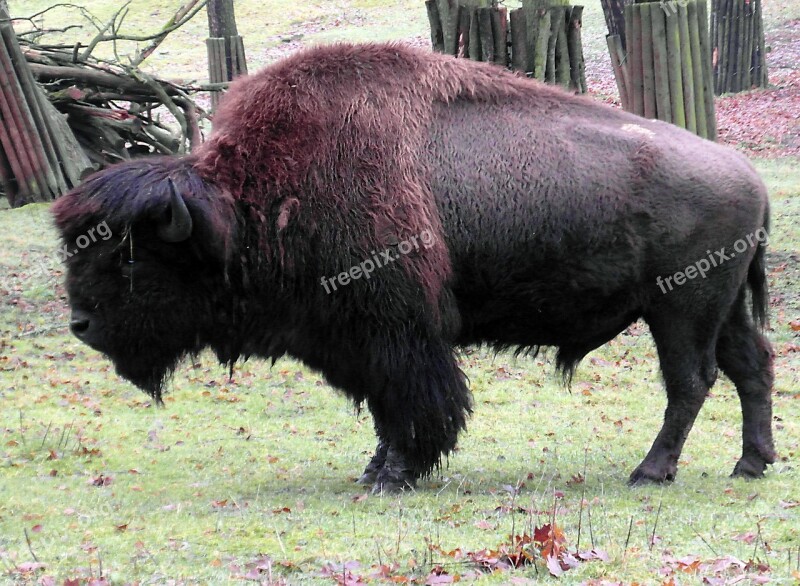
(152, 287)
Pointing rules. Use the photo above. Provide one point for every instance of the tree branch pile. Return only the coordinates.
(115, 110)
(110, 103)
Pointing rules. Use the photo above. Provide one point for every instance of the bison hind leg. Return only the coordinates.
(745, 356)
(688, 365)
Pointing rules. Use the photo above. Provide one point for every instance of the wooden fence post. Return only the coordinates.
(226, 57)
(667, 72)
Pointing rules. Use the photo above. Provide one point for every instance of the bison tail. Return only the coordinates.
(757, 278)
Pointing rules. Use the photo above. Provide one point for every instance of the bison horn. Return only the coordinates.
(179, 227)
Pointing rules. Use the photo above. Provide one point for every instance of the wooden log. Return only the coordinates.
(660, 62)
(532, 15)
(616, 22)
(475, 50)
(500, 34)
(562, 48)
(7, 181)
(239, 56)
(747, 64)
(32, 95)
(486, 34)
(617, 64)
(17, 114)
(543, 39)
(552, 38)
(687, 78)
(708, 75)
(720, 56)
(463, 33)
(93, 77)
(217, 71)
(518, 25)
(733, 49)
(763, 78)
(648, 63)
(74, 161)
(448, 16)
(675, 62)
(698, 70)
(635, 59)
(19, 174)
(754, 73)
(445, 10)
(577, 66)
(435, 22)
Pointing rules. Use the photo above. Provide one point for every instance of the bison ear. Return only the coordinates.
(288, 209)
(176, 224)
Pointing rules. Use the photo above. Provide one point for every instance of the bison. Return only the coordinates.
(369, 209)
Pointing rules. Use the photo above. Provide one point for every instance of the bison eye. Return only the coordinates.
(126, 267)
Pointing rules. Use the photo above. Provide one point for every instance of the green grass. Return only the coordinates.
(264, 464)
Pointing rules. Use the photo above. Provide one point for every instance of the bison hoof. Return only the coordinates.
(394, 476)
(370, 474)
(752, 467)
(650, 475)
(393, 482)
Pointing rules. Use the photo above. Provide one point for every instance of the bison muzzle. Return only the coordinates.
(493, 210)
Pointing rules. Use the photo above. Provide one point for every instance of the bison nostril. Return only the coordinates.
(79, 326)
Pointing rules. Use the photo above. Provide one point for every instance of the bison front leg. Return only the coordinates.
(375, 464)
(420, 403)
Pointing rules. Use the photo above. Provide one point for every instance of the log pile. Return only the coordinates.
(38, 160)
(540, 39)
(737, 35)
(111, 110)
(665, 71)
(66, 114)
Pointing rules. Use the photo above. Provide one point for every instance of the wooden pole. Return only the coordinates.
(475, 51)
(485, 32)
(556, 17)
(675, 65)
(614, 12)
(562, 48)
(648, 63)
(635, 60)
(518, 24)
(617, 58)
(698, 70)
(687, 68)
(660, 65)
(577, 67)
(708, 74)
(543, 44)
(435, 22)
(499, 17)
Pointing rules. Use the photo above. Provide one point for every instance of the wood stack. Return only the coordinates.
(541, 39)
(39, 157)
(226, 58)
(737, 36)
(665, 72)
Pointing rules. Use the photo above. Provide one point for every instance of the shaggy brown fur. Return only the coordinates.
(550, 219)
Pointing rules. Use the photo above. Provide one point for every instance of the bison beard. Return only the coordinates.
(550, 218)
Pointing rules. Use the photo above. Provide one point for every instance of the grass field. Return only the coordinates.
(252, 478)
